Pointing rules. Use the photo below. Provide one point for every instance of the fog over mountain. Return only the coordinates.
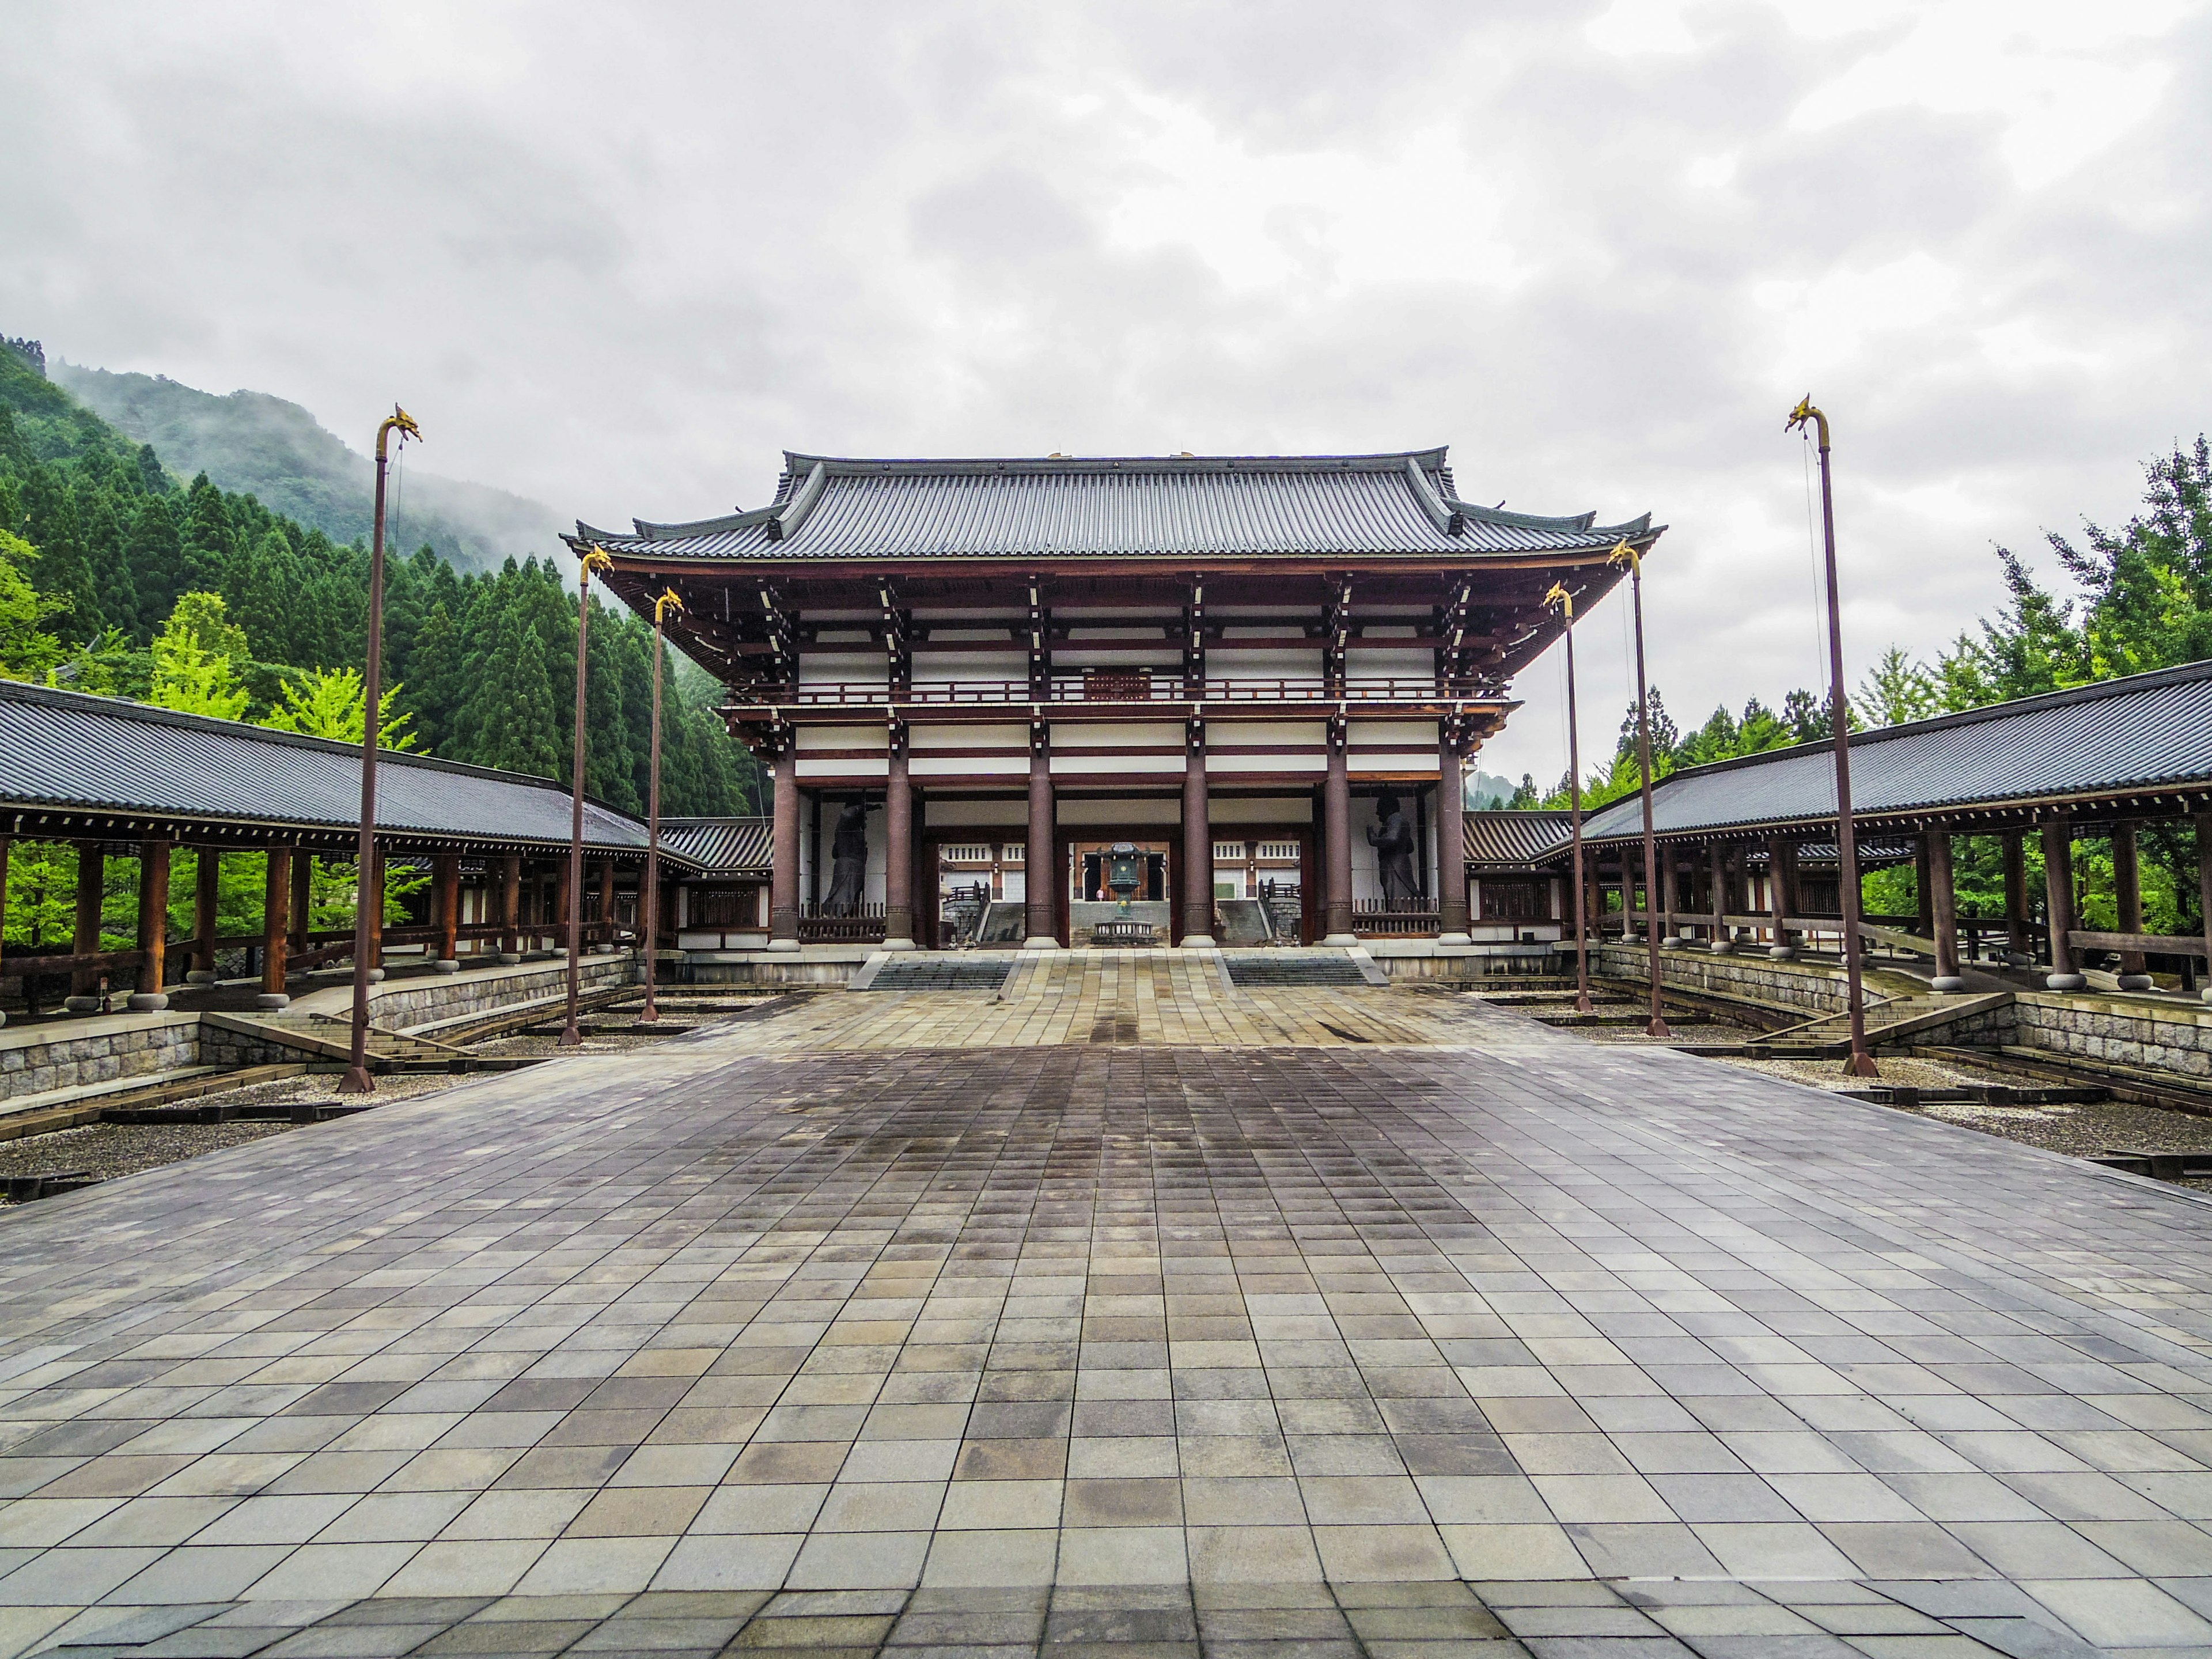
(273, 450)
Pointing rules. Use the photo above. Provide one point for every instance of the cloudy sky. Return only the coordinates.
(618, 257)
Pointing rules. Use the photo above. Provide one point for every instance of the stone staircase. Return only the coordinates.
(1889, 1021)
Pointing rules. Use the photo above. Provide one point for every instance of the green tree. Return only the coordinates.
(194, 661)
(1897, 689)
(28, 650)
(515, 714)
(332, 703)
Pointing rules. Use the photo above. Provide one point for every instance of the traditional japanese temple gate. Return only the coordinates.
(114, 779)
(1260, 672)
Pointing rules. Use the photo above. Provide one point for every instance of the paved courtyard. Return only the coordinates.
(1382, 1323)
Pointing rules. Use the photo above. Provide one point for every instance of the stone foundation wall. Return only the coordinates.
(221, 1048)
(68, 1055)
(2114, 1030)
(410, 1003)
(793, 970)
(1810, 988)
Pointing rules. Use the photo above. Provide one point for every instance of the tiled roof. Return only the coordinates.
(1401, 504)
(2132, 735)
(720, 845)
(1514, 840)
(65, 750)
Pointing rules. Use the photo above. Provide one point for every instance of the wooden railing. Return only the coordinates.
(862, 925)
(1411, 918)
(1119, 686)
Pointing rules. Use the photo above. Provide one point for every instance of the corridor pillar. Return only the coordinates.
(446, 881)
(1452, 919)
(1197, 843)
(510, 907)
(1336, 840)
(1716, 865)
(2058, 891)
(783, 869)
(275, 925)
(2127, 884)
(898, 853)
(207, 899)
(2015, 892)
(153, 927)
(91, 895)
(1943, 910)
(1040, 860)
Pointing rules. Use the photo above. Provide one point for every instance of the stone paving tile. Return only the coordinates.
(927, 1322)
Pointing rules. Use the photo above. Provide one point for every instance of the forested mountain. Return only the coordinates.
(249, 443)
(115, 578)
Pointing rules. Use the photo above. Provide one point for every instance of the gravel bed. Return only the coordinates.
(108, 1150)
(2080, 1131)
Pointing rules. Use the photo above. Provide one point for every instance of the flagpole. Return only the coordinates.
(1623, 553)
(668, 601)
(1860, 1063)
(1565, 601)
(356, 1080)
(592, 558)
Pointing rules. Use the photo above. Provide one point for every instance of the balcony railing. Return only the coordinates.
(1118, 688)
(1401, 918)
(862, 924)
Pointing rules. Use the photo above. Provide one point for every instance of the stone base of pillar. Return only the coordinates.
(1455, 938)
(1783, 952)
(272, 999)
(2136, 982)
(1947, 983)
(446, 965)
(1040, 942)
(1199, 942)
(1722, 947)
(3, 1017)
(783, 945)
(199, 976)
(147, 1002)
(899, 944)
(2208, 994)
(1340, 940)
(2066, 982)
(81, 1005)
(376, 976)
(506, 958)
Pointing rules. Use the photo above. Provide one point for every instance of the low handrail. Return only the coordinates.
(1164, 688)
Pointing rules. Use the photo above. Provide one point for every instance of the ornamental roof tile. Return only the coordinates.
(720, 846)
(1402, 504)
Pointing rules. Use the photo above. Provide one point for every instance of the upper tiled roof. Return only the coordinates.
(2121, 736)
(720, 845)
(65, 749)
(1398, 505)
(1514, 840)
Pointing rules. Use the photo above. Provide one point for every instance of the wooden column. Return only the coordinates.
(607, 900)
(153, 925)
(898, 850)
(1924, 884)
(276, 891)
(1197, 843)
(783, 871)
(2015, 891)
(510, 905)
(207, 896)
(1781, 893)
(563, 896)
(1040, 858)
(446, 903)
(1336, 839)
(1717, 892)
(2127, 893)
(5, 844)
(2203, 822)
(1452, 920)
(371, 893)
(302, 913)
(1943, 906)
(91, 894)
(2058, 891)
